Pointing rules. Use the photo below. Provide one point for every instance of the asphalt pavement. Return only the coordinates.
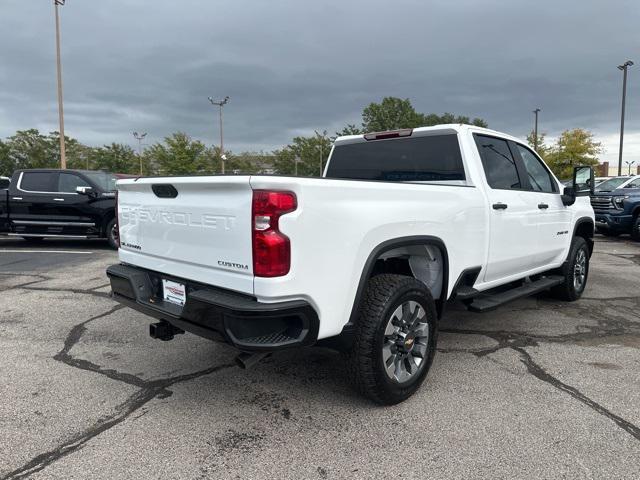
(537, 389)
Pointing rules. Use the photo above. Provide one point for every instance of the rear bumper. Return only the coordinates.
(621, 223)
(217, 314)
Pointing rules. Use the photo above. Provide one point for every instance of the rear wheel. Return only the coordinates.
(635, 229)
(395, 339)
(576, 272)
(112, 234)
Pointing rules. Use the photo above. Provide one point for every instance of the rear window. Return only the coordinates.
(37, 181)
(430, 158)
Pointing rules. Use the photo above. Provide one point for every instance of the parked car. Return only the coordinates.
(616, 182)
(59, 203)
(618, 211)
(363, 260)
(599, 180)
(4, 183)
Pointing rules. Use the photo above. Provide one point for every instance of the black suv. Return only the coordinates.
(60, 203)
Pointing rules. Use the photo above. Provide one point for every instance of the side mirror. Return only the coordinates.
(568, 196)
(583, 182)
(84, 190)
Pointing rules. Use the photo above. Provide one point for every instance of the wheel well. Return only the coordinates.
(422, 257)
(422, 262)
(585, 230)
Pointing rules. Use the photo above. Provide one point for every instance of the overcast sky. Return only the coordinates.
(292, 66)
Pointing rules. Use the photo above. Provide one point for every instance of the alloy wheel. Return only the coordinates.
(406, 342)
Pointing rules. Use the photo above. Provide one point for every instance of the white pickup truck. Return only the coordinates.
(362, 260)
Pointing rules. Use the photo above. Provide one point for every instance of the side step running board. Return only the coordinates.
(466, 293)
(487, 301)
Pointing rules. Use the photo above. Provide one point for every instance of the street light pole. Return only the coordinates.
(221, 104)
(629, 163)
(624, 68)
(63, 154)
(535, 130)
(139, 137)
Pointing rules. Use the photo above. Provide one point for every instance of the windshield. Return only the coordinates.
(429, 158)
(106, 181)
(611, 184)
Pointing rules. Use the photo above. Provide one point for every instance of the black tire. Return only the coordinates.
(571, 289)
(635, 229)
(606, 232)
(384, 296)
(112, 234)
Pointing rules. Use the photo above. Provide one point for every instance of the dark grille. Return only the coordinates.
(601, 202)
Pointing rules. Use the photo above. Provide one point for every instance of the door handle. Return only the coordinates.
(500, 206)
(58, 199)
(542, 206)
(16, 198)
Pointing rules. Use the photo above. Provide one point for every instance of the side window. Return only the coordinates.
(633, 184)
(499, 165)
(67, 183)
(539, 177)
(37, 182)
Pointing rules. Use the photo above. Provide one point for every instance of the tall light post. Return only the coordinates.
(63, 154)
(221, 104)
(535, 130)
(139, 137)
(629, 163)
(624, 68)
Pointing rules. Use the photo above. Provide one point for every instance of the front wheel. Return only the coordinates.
(635, 229)
(112, 234)
(576, 272)
(395, 340)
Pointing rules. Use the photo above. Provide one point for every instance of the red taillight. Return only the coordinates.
(117, 233)
(271, 248)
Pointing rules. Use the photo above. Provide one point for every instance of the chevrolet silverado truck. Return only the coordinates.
(617, 211)
(363, 260)
(49, 203)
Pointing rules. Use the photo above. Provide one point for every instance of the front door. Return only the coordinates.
(554, 218)
(513, 217)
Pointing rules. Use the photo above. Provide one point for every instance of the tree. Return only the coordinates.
(6, 166)
(117, 158)
(30, 149)
(573, 148)
(540, 146)
(307, 152)
(394, 113)
(350, 129)
(390, 114)
(180, 155)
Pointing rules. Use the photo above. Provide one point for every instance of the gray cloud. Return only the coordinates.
(291, 67)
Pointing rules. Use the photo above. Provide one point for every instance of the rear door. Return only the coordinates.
(554, 218)
(513, 217)
(196, 228)
(34, 202)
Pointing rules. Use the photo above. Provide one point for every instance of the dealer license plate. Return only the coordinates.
(174, 292)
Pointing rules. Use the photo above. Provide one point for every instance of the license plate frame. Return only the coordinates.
(174, 292)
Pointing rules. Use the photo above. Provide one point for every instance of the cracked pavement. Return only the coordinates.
(538, 388)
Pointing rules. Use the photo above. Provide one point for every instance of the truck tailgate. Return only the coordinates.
(196, 228)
